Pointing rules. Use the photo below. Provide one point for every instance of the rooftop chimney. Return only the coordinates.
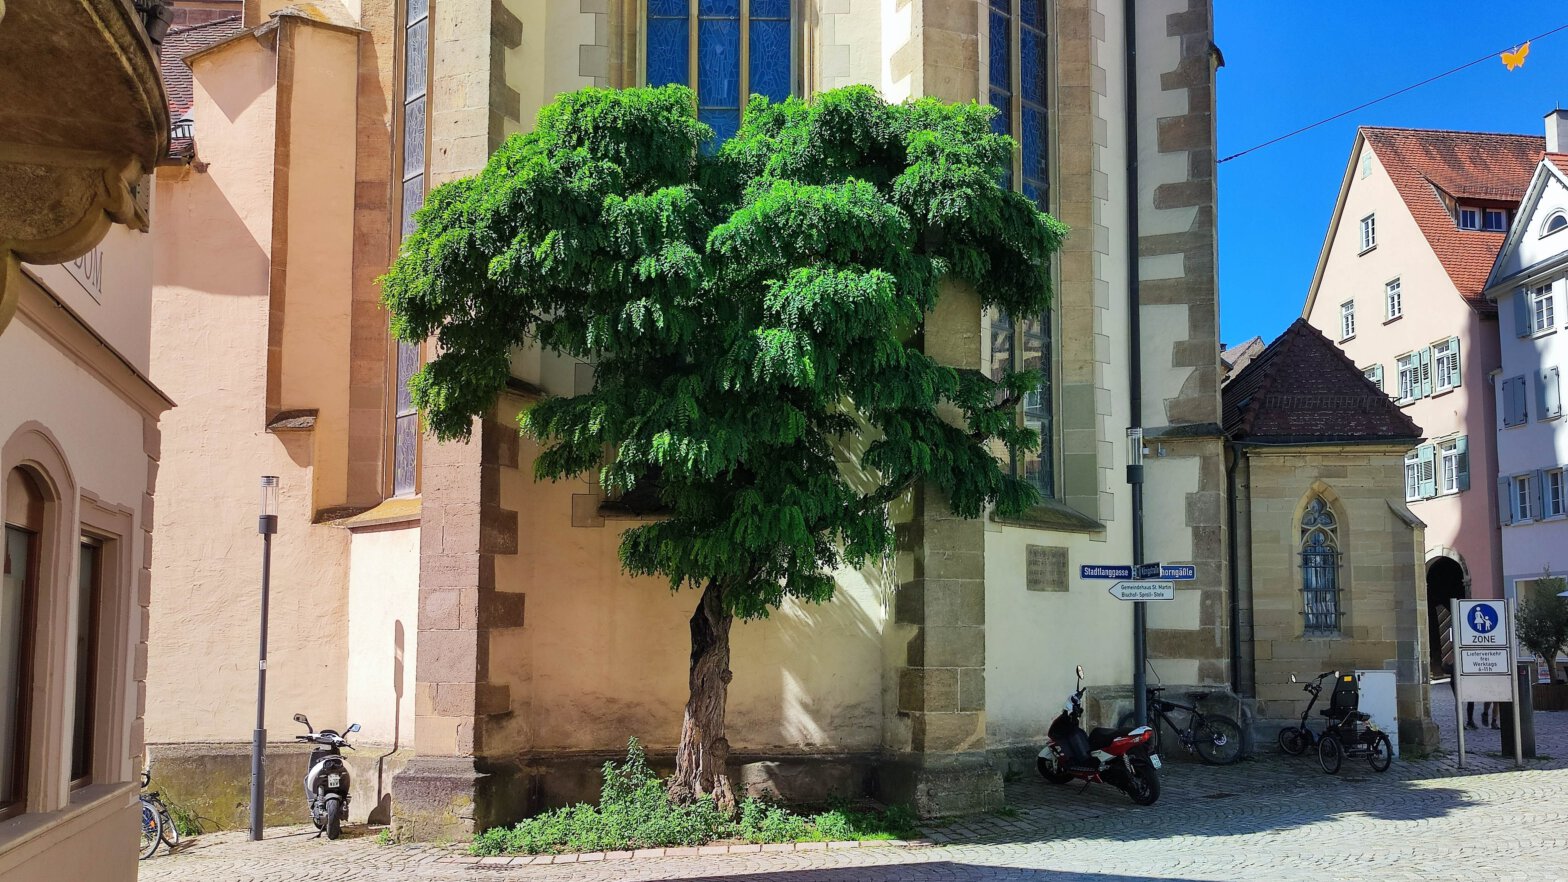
(1557, 131)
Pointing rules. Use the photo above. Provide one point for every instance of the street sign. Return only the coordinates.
(1484, 662)
(1146, 570)
(1104, 571)
(1482, 624)
(1182, 573)
(1143, 590)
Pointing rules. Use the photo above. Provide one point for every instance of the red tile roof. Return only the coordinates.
(1476, 166)
(180, 42)
(1560, 160)
(1303, 389)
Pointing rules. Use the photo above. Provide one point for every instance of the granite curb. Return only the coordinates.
(690, 851)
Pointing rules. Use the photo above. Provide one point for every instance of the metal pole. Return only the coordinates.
(1459, 699)
(1513, 676)
(267, 526)
(1140, 650)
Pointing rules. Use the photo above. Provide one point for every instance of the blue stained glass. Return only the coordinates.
(1032, 14)
(770, 8)
(1031, 65)
(669, 51)
(1001, 69)
(718, 7)
(725, 124)
(770, 59)
(679, 8)
(1002, 123)
(414, 60)
(718, 63)
(1004, 5)
(418, 9)
(1034, 153)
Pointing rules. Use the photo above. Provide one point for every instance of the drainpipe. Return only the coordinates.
(1235, 580)
(1134, 359)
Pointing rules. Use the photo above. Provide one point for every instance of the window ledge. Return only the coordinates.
(1369, 248)
(1441, 392)
(1391, 319)
(1544, 332)
(1052, 515)
(1347, 339)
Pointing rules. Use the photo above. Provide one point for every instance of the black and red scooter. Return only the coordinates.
(1118, 757)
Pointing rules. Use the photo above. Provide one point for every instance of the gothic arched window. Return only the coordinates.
(724, 49)
(1320, 568)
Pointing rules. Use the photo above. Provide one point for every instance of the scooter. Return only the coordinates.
(326, 783)
(1295, 740)
(1118, 757)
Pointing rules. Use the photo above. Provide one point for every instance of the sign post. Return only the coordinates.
(1484, 669)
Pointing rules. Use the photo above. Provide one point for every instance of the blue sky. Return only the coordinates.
(1288, 64)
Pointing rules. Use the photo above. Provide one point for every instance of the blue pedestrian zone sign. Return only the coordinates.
(1168, 572)
(1483, 618)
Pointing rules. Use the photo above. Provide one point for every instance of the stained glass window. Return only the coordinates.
(1017, 68)
(743, 47)
(1320, 568)
(416, 74)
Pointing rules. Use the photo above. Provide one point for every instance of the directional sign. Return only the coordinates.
(1183, 573)
(1104, 571)
(1482, 624)
(1146, 570)
(1144, 590)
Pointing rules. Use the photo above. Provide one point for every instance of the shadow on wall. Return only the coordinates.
(382, 813)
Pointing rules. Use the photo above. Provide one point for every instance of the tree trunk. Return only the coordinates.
(704, 752)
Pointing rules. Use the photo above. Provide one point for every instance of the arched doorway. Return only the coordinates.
(1445, 582)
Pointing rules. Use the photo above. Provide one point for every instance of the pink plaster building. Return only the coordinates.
(1399, 285)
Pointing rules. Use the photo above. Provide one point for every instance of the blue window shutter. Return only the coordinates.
(1377, 375)
(1462, 462)
(1537, 481)
(1522, 396)
(1425, 364)
(1505, 501)
(1453, 344)
(1553, 393)
(1540, 395)
(1427, 477)
(1522, 313)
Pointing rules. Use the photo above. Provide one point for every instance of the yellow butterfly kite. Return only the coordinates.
(1516, 58)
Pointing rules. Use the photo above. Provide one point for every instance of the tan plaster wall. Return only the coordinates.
(603, 656)
(211, 305)
(97, 844)
(383, 621)
(1433, 310)
(108, 288)
(1383, 592)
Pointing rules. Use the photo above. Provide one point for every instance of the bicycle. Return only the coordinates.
(157, 825)
(1214, 737)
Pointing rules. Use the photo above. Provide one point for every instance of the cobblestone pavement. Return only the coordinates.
(1272, 817)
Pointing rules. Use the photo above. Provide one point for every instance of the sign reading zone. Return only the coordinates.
(1482, 624)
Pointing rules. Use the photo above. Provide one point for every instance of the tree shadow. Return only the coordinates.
(933, 871)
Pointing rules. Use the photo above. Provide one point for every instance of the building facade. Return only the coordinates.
(1330, 558)
(1400, 287)
(489, 629)
(82, 123)
(1528, 285)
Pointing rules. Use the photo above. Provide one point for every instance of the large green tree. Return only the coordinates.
(755, 314)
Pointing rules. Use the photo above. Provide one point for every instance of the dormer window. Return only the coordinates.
(1495, 220)
(1554, 223)
(1469, 219)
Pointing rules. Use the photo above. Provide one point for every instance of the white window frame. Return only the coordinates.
(1368, 233)
(1407, 369)
(1521, 498)
(1393, 300)
(1375, 374)
(1448, 467)
(1547, 228)
(1543, 311)
(1445, 365)
(1366, 162)
(1469, 218)
(1552, 485)
(1347, 320)
(1412, 476)
(1488, 214)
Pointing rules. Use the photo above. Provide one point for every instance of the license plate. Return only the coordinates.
(1154, 760)
(334, 780)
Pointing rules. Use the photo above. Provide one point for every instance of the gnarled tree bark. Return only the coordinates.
(700, 762)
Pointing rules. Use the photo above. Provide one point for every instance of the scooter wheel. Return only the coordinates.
(334, 813)
(1144, 788)
(1050, 772)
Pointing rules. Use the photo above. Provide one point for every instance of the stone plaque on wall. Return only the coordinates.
(1045, 568)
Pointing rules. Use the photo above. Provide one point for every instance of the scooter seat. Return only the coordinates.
(1102, 737)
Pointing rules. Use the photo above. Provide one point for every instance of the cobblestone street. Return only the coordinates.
(1273, 817)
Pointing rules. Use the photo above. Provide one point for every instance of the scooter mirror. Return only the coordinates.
(1079, 670)
(301, 718)
(1292, 678)
(352, 729)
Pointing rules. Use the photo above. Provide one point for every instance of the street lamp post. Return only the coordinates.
(266, 525)
(1140, 681)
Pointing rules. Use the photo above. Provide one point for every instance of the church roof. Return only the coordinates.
(1302, 389)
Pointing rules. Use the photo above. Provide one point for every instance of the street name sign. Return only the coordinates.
(1179, 573)
(1146, 570)
(1104, 571)
(1144, 590)
(1162, 572)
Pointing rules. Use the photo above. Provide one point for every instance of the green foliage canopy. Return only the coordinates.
(754, 315)
(1543, 619)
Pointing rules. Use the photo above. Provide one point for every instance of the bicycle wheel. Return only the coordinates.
(1218, 740)
(171, 830)
(1292, 741)
(1330, 753)
(152, 830)
(1380, 753)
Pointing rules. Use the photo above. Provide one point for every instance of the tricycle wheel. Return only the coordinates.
(1293, 741)
(1330, 753)
(1380, 753)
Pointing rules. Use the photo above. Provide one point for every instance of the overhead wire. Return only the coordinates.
(1432, 79)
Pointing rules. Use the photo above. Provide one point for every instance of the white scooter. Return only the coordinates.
(326, 783)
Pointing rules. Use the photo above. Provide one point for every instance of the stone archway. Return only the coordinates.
(1446, 580)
